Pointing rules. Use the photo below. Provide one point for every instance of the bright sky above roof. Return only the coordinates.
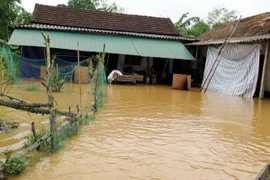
(174, 8)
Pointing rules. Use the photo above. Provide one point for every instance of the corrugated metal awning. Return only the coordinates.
(252, 39)
(145, 47)
(49, 27)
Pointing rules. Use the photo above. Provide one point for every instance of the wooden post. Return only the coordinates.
(80, 85)
(107, 61)
(101, 61)
(266, 58)
(48, 54)
(34, 134)
(49, 89)
(167, 61)
(196, 62)
(34, 131)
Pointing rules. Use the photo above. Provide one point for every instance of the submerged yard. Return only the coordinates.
(153, 132)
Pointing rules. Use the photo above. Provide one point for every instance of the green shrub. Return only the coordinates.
(14, 166)
(32, 88)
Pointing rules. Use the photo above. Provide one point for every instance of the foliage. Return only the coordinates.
(30, 140)
(23, 16)
(7, 67)
(219, 15)
(194, 26)
(4, 127)
(57, 82)
(87, 119)
(32, 88)
(11, 12)
(183, 24)
(100, 5)
(191, 27)
(99, 80)
(14, 165)
(197, 29)
(63, 134)
(4, 75)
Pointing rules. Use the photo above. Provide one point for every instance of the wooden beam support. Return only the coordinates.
(266, 58)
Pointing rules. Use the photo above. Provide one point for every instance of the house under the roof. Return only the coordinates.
(235, 56)
(131, 40)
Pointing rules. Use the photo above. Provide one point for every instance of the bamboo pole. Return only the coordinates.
(48, 54)
(266, 58)
(80, 85)
(49, 89)
(101, 61)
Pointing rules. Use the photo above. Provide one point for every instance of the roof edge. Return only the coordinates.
(232, 40)
(35, 12)
(91, 30)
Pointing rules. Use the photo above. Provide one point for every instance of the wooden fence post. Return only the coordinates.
(49, 89)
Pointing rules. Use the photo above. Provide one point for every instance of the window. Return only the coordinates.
(133, 60)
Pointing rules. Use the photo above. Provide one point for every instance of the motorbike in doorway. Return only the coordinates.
(151, 78)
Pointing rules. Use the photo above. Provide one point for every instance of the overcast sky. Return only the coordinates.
(174, 8)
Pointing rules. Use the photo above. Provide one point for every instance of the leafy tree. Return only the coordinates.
(198, 28)
(191, 27)
(101, 5)
(7, 15)
(23, 16)
(11, 12)
(194, 26)
(183, 24)
(219, 15)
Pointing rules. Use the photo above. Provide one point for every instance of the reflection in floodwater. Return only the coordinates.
(154, 132)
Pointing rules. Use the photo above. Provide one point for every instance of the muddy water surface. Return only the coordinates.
(154, 132)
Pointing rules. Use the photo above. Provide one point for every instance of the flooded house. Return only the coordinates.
(233, 58)
(133, 42)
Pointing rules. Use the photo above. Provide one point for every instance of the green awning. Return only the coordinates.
(146, 47)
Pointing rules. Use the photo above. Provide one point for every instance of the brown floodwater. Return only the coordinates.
(151, 132)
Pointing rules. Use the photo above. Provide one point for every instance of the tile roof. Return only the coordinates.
(253, 26)
(82, 18)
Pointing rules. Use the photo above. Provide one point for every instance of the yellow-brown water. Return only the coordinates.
(154, 132)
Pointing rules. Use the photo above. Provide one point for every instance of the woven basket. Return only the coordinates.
(81, 72)
(181, 82)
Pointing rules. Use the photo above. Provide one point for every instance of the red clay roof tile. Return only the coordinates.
(256, 25)
(83, 18)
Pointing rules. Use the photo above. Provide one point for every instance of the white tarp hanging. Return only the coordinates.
(235, 71)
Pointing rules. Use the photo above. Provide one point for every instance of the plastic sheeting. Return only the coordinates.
(113, 75)
(235, 71)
